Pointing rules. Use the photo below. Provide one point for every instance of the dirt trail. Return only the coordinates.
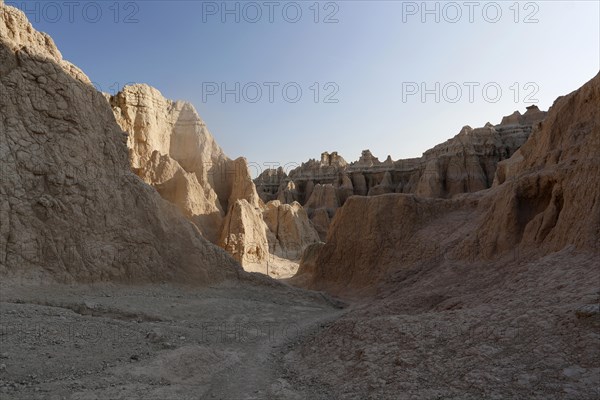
(156, 342)
(262, 373)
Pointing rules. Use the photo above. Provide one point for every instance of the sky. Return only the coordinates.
(280, 82)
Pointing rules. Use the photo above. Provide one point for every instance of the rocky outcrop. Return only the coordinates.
(244, 234)
(367, 160)
(240, 184)
(200, 179)
(323, 196)
(385, 186)
(511, 272)
(308, 265)
(268, 182)
(531, 116)
(253, 234)
(464, 164)
(370, 235)
(322, 204)
(287, 192)
(172, 150)
(546, 198)
(70, 208)
(289, 228)
(321, 219)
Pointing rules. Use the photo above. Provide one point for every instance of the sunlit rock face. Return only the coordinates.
(171, 149)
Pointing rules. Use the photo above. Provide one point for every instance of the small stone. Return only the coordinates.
(587, 311)
(573, 371)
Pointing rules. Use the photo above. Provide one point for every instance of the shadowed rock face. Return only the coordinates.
(546, 197)
(466, 163)
(70, 207)
(442, 282)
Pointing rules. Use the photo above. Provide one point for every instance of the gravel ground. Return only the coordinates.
(156, 342)
(523, 330)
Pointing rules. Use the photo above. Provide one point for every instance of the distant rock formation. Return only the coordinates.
(466, 163)
(332, 160)
(545, 197)
(252, 233)
(268, 182)
(244, 234)
(70, 207)
(290, 231)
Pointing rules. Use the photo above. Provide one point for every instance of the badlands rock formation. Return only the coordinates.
(171, 149)
(548, 194)
(244, 234)
(546, 197)
(492, 294)
(257, 236)
(290, 231)
(268, 182)
(70, 207)
(463, 164)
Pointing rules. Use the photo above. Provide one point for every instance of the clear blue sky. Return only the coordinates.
(372, 54)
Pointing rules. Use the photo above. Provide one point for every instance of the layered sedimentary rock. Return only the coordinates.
(290, 230)
(172, 150)
(492, 294)
(244, 234)
(370, 235)
(253, 233)
(268, 182)
(275, 184)
(547, 200)
(466, 163)
(547, 196)
(70, 207)
(323, 196)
